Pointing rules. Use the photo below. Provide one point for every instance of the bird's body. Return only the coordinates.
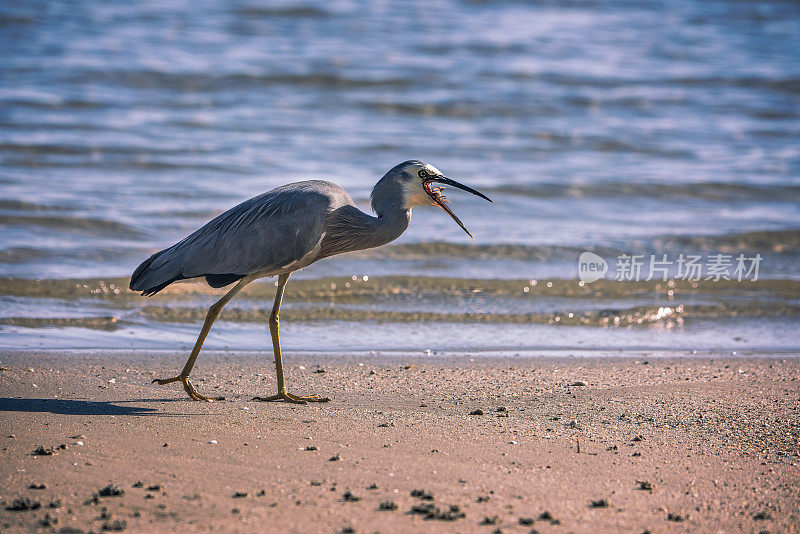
(284, 230)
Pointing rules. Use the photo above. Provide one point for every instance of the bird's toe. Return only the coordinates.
(165, 381)
(294, 399)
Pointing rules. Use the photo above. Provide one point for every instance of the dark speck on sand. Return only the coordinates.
(117, 525)
(422, 494)
(110, 491)
(671, 516)
(430, 511)
(22, 504)
(48, 520)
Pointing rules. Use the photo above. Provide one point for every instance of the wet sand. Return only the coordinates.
(658, 444)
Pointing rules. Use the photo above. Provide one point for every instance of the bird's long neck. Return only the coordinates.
(348, 229)
(389, 226)
(389, 204)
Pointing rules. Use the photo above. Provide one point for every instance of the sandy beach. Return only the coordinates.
(443, 443)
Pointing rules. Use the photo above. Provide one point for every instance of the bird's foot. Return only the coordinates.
(294, 399)
(193, 394)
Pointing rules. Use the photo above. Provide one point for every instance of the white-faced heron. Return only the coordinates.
(284, 230)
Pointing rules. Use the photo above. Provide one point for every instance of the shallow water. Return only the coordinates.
(616, 127)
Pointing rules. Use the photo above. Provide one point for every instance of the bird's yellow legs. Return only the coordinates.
(213, 313)
(282, 394)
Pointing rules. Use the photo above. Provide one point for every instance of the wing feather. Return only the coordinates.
(264, 233)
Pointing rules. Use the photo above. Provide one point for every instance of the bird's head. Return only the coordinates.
(418, 182)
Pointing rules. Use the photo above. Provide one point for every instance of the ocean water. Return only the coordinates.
(656, 130)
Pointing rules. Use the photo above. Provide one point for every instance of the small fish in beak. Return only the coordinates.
(438, 197)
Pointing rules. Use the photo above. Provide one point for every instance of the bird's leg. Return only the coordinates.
(213, 313)
(274, 321)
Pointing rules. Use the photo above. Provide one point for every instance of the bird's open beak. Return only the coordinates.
(437, 196)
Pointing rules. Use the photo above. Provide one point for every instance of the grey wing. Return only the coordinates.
(265, 233)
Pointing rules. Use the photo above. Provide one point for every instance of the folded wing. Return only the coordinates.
(262, 234)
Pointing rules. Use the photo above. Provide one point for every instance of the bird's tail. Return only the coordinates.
(150, 279)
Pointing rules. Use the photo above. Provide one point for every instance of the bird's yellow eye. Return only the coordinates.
(423, 173)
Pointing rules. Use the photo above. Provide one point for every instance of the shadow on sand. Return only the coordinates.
(71, 407)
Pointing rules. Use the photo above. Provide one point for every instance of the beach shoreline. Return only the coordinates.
(665, 444)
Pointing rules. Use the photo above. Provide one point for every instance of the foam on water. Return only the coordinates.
(607, 314)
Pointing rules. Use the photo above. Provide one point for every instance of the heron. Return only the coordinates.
(281, 231)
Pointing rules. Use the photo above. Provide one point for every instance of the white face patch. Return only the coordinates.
(432, 170)
(415, 194)
(414, 168)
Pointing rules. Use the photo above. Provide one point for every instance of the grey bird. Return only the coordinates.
(283, 230)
